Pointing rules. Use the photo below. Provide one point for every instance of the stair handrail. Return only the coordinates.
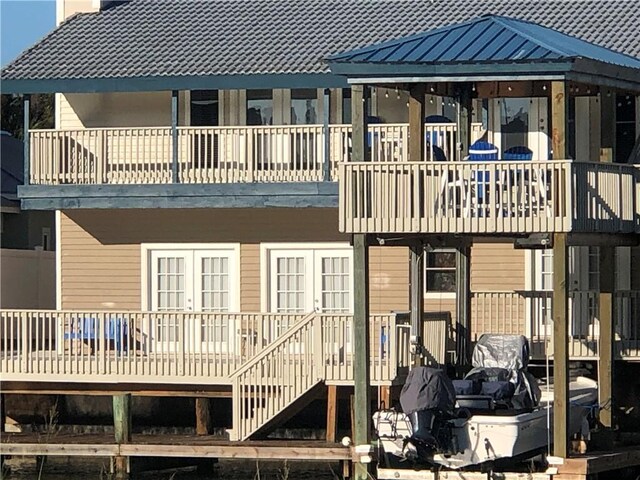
(242, 431)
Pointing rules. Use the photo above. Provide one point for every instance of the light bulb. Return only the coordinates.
(509, 88)
(544, 87)
(386, 94)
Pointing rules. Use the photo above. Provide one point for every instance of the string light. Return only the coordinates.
(544, 87)
(386, 94)
(509, 88)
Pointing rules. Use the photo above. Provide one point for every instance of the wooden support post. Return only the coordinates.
(416, 299)
(560, 311)
(463, 305)
(122, 431)
(416, 122)
(607, 125)
(26, 118)
(332, 412)
(361, 346)
(175, 166)
(463, 120)
(559, 119)
(203, 416)
(327, 139)
(359, 143)
(606, 344)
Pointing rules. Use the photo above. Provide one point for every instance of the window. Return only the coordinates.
(259, 107)
(440, 272)
(304, 106)
(204, 108)
(302, 278)
(625, 127)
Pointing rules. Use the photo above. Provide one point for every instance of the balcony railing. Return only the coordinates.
(179, 347)
(529, 313)
(488, 197)
(295, 153)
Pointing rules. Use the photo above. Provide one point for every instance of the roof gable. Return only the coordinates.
(490, 38)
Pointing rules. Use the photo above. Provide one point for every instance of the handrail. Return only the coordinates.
(276, 377)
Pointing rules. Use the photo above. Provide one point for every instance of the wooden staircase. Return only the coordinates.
(279, 379)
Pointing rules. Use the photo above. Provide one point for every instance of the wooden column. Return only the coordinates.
(326, 172)
(559, 118)
(203, 416)
(463, 120)
(26, 105)
(175, 174)
(359, 143)
(607, 336)
(122, 430)
(416, 299)
(463, 305)
(332, 412)
(560, 311)
(361, 346)
(416, 122)
(607, 125)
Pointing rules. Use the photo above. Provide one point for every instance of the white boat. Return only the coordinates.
(479, 429)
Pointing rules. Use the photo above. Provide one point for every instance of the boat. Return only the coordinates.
(497, 414)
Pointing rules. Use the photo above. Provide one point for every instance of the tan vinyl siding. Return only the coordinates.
(139, 109)
(250, 277)
(97, 274)
(389, 274)
(101, 264)
(497, 267)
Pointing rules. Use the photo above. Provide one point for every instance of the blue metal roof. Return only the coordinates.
(489, 39)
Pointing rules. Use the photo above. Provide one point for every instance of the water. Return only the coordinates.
(64, 468)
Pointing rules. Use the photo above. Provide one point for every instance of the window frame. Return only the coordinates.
(433, 294)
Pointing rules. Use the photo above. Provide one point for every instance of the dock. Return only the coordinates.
(185, 446)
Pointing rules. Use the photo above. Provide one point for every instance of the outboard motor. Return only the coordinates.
(428, 399)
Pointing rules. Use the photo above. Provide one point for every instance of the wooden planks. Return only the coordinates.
(172, 446)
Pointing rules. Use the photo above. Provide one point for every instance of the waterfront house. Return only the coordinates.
(196, 167)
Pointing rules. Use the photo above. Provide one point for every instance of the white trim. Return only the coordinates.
(145, 254)
(265, 248)
(59, 12)
(439, 295)
(58, 261)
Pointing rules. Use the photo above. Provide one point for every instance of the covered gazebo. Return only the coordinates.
(490, 57)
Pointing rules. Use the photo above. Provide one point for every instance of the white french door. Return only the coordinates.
(193, 280)
(305, 279)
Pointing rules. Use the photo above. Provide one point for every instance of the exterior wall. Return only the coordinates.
(101, 253)
(140, 109)
(497, 267)
(27, 279)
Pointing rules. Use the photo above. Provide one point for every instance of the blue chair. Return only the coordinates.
(481, 151)
(118, 332)
(517, 153)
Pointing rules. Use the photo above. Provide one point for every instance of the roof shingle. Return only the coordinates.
(175, 38)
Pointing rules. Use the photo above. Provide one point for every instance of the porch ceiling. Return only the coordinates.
(488, 48)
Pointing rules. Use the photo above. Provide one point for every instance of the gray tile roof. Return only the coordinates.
(181, 38)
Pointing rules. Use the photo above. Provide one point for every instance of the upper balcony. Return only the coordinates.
(500, 197)
(213, 155)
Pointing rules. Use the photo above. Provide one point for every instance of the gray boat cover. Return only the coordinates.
(425, 389)
(510, 352)
(501, 351)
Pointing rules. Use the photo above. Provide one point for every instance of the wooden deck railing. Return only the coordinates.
(170, 347)
(529, 313)
(293, 153)
(488, 197)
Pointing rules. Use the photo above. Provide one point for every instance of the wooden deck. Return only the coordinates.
(191, 446)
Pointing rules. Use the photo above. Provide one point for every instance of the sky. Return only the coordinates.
(23, 23)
